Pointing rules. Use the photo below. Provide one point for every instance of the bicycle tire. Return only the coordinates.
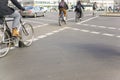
(27, 34)
(77, 17)
(61, 21)
(5, 43)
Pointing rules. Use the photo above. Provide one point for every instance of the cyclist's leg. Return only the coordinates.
(65, 14)
(16, 22)
(93, 12)
(61, 12)
(80, 14)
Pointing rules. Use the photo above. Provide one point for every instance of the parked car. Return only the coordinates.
(117, 8)
(100, 9)
(44, 9)
(33, 11)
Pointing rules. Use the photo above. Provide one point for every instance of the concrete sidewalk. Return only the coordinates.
(111, 14)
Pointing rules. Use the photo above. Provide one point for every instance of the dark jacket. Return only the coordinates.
(94, 6)
(65, 6)
(79, 7)
(6, 10)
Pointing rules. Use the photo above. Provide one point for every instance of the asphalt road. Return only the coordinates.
(86, 50)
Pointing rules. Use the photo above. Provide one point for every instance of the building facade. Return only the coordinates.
(45, 2)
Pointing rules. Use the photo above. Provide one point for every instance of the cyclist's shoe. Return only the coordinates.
(15, 32)
(80, 19)
(65, 18)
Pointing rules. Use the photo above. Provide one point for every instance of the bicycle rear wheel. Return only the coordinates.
(77, 17)
(4, 43)
(61, 21)
(27, 34)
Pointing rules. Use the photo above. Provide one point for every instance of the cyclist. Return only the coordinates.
(5, 10)
(62, 8)
(94, 8)
(78, 8)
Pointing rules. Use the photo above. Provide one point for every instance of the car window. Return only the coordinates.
(36, 8)
(28, 8)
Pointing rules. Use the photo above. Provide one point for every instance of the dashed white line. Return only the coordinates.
(118, 36)
(41, 26)
(55, 31)
(111, 28)
(33, 21)
(41, 36)
(83, 30)
(106, 34)
(75, 29)
(102, 27)
(50, 33)
(87, 20)
(94, 32)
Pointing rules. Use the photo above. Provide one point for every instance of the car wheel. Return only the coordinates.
(23, 16)
(35, 15)
(43, 14)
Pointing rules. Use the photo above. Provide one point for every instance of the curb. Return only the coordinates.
(110, 15)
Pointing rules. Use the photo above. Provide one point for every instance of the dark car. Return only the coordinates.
(33, 11)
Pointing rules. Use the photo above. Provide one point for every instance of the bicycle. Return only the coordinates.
(77, 16)
(61, 19)
(7, 40)
(94, 12)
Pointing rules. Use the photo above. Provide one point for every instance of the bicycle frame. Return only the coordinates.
(62, 15)
(61, 19)
(7, 40)
(5, 28)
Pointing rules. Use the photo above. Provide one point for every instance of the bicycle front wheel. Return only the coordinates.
(4, 43)
(27, 34)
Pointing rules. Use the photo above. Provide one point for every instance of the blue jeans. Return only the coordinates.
(16, 19)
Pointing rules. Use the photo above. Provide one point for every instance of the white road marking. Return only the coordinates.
(38, 22)
(94, 32)
(106, 34)
(87, 20)
(41, 36)
(118, 36)
(50, 33)
(41, 26)
(112, 28)
(83, 30)
(75, 29)
(74, 18)
(102, 27)
(50, 20)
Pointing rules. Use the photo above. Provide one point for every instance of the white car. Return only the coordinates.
(33, 11)
(44, 9)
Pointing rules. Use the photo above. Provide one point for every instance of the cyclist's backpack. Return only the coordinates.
(78, 8)
(63, 5)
